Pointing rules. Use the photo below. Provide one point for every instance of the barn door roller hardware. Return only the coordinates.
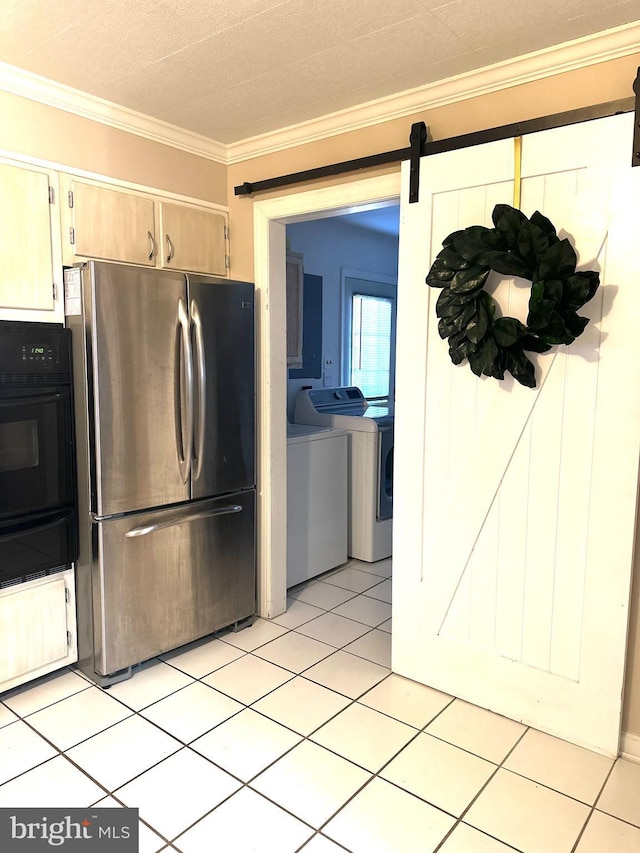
(419, 147)
(418, 137)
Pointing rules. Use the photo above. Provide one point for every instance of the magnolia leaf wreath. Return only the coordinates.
(516, 246)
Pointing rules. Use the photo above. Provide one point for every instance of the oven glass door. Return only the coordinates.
(35, 451)
(41, 542)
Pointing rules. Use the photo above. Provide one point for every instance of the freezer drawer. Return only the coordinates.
(162, 579)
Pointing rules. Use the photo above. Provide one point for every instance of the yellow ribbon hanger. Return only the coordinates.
(517, 169)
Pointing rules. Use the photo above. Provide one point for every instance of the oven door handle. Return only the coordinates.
(26, 525)
(31, 400)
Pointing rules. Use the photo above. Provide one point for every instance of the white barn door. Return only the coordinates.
(515, 508)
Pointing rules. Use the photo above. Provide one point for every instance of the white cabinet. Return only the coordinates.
(110, 224)
(117, 224)
(30, 267)
(193, 239)
(37, 628)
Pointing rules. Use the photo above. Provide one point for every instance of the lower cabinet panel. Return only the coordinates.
(37, 628)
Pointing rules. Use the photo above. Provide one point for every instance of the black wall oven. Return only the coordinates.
(38, 517)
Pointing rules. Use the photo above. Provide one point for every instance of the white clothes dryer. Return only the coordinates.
(370, 463)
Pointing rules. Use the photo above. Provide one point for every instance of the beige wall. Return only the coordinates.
(571, 90)
(46, 133)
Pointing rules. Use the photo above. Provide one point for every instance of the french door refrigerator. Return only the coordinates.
(164, 366)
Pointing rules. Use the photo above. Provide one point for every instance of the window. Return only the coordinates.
(371, 344)
(369, 311)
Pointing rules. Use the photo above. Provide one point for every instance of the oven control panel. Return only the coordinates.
(38, 353)
(33, 349)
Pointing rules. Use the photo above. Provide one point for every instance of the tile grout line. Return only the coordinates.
(593, 807)
(466, 810)
(187, 745)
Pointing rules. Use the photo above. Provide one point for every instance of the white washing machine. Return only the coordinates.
(370, 466)
(316, 501)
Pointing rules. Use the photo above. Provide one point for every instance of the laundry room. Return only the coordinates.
(341, 309)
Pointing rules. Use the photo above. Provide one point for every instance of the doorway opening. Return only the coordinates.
(271, 218)
(341, 318)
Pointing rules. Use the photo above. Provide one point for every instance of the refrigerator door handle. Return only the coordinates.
(182, 517)
(202, 390)
(183, 392)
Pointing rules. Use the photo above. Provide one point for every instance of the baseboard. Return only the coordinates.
(630, 746)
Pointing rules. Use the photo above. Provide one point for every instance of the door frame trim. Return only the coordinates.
(269, 219)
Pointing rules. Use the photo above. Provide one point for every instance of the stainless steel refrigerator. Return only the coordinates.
(164, 371)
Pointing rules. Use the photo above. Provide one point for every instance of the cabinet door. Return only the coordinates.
(295, 296)
(193, 239)
(113, 225)
(26, 272)
(37, 628)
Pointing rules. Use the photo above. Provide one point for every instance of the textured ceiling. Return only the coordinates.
(232, 69)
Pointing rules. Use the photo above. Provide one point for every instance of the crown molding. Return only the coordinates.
(26, 85)
(580, 53)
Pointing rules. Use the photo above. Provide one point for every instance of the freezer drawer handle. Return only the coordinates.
(181, 518)
(201, 373)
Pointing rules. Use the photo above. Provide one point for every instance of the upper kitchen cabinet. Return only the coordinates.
(136, 227)
(193, 239)
(109, 224)
(29, 221)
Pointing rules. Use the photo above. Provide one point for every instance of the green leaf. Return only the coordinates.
(580, 288)
(469, 280)
(449, 241)
(479, 323)
(575, 324)
(485, 359)
(459, 346)
(475, 242)
(555, 332)
(545, 225)
(537, 293)
(507, 330)
(444, 267)
(508, 221)
(446, 327)
(553, 290)
(533, 243)
(559, 261)
(520, 368)
(540, 314)
(508, 264)
(533, 344)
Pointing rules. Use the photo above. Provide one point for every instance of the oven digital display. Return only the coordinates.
(38, 353)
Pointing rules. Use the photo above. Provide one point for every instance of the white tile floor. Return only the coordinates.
(294, 735)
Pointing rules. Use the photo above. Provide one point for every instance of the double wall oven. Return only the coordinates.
(38, 520)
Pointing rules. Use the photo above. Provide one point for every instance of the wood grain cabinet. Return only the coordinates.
(29, 247)
(193, 239)
(111, 225)
(115, 224)
(37, 628)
